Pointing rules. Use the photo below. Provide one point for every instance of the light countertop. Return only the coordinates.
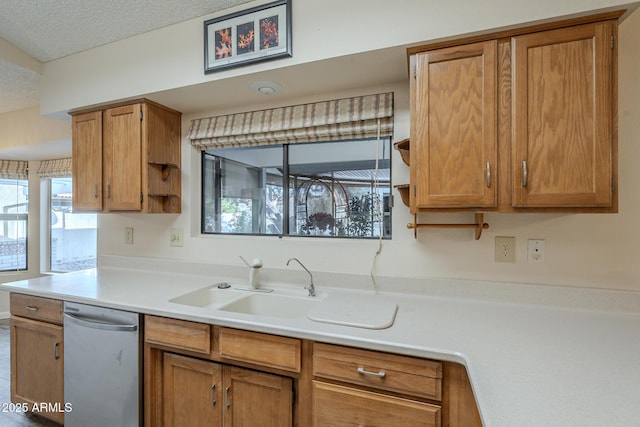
(529, 364)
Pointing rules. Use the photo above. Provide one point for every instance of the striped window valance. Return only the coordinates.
(350, 118)
(14, 169)
(57, 168)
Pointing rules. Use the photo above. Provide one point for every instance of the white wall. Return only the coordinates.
(172, 57)
(581, 250)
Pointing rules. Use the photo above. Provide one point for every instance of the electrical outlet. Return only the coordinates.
(505, 249)
(535, 250)
(128, 235)
(176, 237)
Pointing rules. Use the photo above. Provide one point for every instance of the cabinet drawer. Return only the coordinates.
(337, 406)
(262, 349)
(37, 308)
(182, 334)
(403, 374)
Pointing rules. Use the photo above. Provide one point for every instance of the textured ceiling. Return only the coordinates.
(19, 87)
(51, 29)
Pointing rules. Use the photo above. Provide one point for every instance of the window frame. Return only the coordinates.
(18, 217)
(46, 239)
(286, 198)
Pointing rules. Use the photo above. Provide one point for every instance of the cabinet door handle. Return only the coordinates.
(108, 190)
(379, 374)
(227, 392)
(56, 355)
(95, 191)
(33, 308)
(525, 173)
(488, 175)
(213, 395)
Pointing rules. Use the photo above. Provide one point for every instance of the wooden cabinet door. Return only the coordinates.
(257, 399)
(563, 117)
(86, 134)
(453, 127)
(123, 158)
(37, 365)
(191, 394)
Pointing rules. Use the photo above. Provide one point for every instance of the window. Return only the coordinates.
(72, 240)
(331, 189)
(14, 208)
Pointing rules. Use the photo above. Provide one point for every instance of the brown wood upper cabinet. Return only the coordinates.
(453, 132)
(126, 157)
(522, 120)
(563, 116)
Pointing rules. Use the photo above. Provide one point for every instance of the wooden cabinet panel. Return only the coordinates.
(554, 117)
(181, 334)
(330, 390)
(384, 371)
(262, 349)
(256, 399)
(86, 131)
(127, 158)
(122, 158)
(191, 395)
(37, 363)
(339, 406)
(563, 123)
(453, 127)
(37, 308)
(202, 393)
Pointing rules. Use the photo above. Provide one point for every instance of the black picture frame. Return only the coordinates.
(262, 33)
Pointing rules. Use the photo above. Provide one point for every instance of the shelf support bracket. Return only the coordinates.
(166, 171)
(478, 225)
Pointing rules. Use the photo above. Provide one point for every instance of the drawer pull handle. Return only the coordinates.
(33, 308)
(379, 374)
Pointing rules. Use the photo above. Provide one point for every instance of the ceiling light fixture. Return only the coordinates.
(265, 87)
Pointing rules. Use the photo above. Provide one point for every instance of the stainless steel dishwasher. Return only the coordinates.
(101, 366)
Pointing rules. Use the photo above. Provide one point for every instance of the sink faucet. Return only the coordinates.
(311, 288)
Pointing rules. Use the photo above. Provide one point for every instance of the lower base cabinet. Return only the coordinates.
(37, 366)
(202, 393)
(203, 375)
(37, 355)
(189, 392)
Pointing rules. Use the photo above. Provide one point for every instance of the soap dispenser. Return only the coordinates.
(254, 272)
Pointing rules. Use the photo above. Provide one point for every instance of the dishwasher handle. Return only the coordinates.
(83, 321)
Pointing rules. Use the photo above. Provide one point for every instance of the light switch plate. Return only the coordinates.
(176, 237)
(128, 235)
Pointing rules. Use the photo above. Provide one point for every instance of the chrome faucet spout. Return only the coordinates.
(311, 288)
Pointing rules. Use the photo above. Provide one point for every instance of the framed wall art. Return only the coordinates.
(258, 34)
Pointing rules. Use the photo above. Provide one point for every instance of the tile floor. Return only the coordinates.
(13, 419)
